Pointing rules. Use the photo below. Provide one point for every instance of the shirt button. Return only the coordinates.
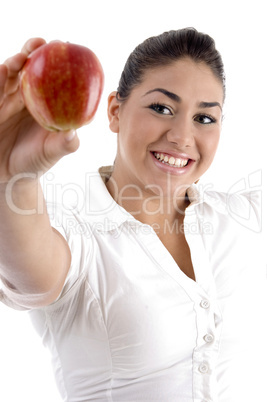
(205, 303)
(208, 338)
(203, 368)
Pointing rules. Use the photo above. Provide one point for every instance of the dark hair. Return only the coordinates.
(165, 49)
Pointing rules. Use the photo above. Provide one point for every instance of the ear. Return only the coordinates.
(113, 112)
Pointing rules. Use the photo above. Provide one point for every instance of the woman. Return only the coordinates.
(143, 295)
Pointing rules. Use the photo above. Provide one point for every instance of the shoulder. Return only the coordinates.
(243, 208)
(234, 202)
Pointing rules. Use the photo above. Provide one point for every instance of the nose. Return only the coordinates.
(181, 133)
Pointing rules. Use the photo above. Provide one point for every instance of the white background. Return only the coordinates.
(112, 28)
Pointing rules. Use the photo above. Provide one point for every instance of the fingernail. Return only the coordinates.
(69, 135)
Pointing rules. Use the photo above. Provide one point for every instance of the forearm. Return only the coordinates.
(31, 251)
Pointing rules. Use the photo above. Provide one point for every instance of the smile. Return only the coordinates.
(170, 160)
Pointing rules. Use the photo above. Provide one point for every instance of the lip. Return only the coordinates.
(171, 169)
(179, 155)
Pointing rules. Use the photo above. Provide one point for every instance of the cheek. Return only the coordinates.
(131, 141)
(139, 133)
(208, 145)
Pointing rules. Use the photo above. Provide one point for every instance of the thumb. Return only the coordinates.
(71, 141)
(60, 144)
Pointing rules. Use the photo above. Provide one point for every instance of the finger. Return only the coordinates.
(31, 45)
(3, 78)
(10, 108)
(3, 74)
(14, 64)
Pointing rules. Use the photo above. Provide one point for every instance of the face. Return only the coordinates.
(168, 129)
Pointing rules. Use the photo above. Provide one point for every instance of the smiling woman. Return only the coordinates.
(172, 112)
(142, 294)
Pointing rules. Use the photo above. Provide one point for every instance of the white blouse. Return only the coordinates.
(131, 326)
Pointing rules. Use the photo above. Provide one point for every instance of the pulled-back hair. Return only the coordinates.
(165, 49)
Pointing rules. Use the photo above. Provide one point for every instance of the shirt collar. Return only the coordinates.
(103, 211)
(106, 214)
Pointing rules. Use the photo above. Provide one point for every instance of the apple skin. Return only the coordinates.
(61, 85)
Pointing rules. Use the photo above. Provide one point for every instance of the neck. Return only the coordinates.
(148, 207)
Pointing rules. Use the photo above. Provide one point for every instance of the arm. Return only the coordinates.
(34, 258)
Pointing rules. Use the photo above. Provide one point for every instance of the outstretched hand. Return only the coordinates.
(26, 147)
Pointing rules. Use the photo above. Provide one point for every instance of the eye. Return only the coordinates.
(160, 109)
(204, 119)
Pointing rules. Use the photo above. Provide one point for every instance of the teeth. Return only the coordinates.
(171, 160)
(177, 162)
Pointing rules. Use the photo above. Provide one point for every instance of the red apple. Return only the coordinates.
(61, 84)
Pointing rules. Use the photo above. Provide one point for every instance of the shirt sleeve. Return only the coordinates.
(77, 232)
(243, 208)
(246, 209)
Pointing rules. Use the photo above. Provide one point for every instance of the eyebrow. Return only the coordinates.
(177, 98)
(209, 104)
(170, 95)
